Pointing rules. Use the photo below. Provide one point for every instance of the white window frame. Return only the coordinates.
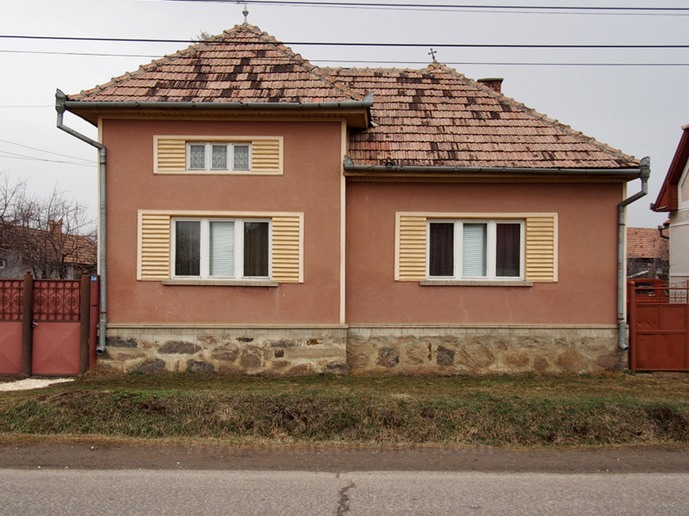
(208, 156)
(204, 243)
(491, 246)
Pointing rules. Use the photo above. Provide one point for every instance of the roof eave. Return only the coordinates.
(396, 171)
(667, 197)
(357, 112)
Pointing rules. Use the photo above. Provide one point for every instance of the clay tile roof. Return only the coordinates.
(438, 117)
(243, 64)
(646, 243)
(423, 118)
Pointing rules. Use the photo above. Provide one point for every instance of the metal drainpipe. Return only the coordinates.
(644, 174)
(60, 99)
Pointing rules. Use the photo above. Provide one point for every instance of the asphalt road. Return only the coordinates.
(240, 492)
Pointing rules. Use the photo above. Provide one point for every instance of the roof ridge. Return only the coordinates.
(229, 35)
(310, 67)
(536, 114)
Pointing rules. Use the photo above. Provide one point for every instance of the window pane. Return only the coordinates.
(187, 248)
(219, 157)
(197, 157)
(474, 250)
(256, 249)
(241, 157)
(222, 249)
(441, 252)
(507, 250)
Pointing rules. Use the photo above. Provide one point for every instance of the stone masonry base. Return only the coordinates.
(284, 351)
(363, 350)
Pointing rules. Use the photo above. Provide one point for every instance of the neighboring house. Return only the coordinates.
(674, 198)
(46, 254)
(647, 254)
(266, 215)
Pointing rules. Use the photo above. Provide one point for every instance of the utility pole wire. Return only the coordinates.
(360, 44)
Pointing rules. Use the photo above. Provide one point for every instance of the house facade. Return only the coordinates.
(268, 216)
(674, 199)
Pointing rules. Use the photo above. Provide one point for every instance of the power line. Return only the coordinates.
(44, 151)
(12, 155)
(368, 61)
(81, 54)
(414, 6)
(363, 44)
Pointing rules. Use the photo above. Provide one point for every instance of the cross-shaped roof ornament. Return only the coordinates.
(432, 53)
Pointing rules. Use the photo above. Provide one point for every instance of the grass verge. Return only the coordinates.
(530, 411)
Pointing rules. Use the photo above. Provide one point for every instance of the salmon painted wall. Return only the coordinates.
(587, 252)
(311, 184)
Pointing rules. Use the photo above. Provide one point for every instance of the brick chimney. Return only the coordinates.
(494, 84)
(55, 227)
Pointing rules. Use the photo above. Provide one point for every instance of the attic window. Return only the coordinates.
(208, 156)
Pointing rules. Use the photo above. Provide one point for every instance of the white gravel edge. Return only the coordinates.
(32, 383)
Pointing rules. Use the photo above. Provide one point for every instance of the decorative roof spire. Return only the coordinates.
(432, 53)
(245, 12)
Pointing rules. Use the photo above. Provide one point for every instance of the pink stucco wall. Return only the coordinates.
(584, 294)
(311, 184)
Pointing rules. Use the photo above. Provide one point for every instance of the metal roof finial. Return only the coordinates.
(432, 53)
(245, 12)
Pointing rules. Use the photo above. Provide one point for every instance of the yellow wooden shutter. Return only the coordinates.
(266, 156)
(287, 249)
(154, 247)
(411, 248)
(541, 248)
(170, 155)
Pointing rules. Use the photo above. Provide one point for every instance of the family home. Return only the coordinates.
(261, 214)
(647, 253)
(674, 198)
(45, 253)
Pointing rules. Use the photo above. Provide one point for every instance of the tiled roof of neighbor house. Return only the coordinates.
(668, 196)
(646, 243)
(429, 117)
(438, 117)
(243, 64)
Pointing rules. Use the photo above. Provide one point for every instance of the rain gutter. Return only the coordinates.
(367, 102)
(352, 170)
(645, 172)
(61, 106)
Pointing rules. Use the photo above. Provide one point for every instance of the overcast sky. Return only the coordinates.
(637, 109)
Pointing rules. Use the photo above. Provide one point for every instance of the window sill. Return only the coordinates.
(221, 283)
(475, 283)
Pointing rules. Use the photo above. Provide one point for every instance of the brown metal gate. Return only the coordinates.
(658, 326)
(48, 327)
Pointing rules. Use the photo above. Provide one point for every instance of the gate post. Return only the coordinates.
(27, 325)
(631, 310)
(84, 312)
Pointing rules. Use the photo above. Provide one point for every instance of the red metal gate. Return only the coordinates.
(658, 326)
(46, 326)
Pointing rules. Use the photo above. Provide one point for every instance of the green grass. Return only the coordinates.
(530, 410)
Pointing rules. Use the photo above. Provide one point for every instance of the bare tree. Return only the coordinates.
(51, 236)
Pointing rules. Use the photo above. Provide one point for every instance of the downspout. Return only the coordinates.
(60, 107)
(644, 174)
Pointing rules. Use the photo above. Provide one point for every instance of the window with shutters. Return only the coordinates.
(222, 157)
(207, 248)
(240, 155)
(475, 249)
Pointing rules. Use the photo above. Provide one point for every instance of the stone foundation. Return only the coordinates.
(455, 350)
(284, 351)
(363, 350)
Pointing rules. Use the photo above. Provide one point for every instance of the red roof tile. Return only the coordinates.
(438, 117)
(429, 117)
(646, 243)
(243, 64)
